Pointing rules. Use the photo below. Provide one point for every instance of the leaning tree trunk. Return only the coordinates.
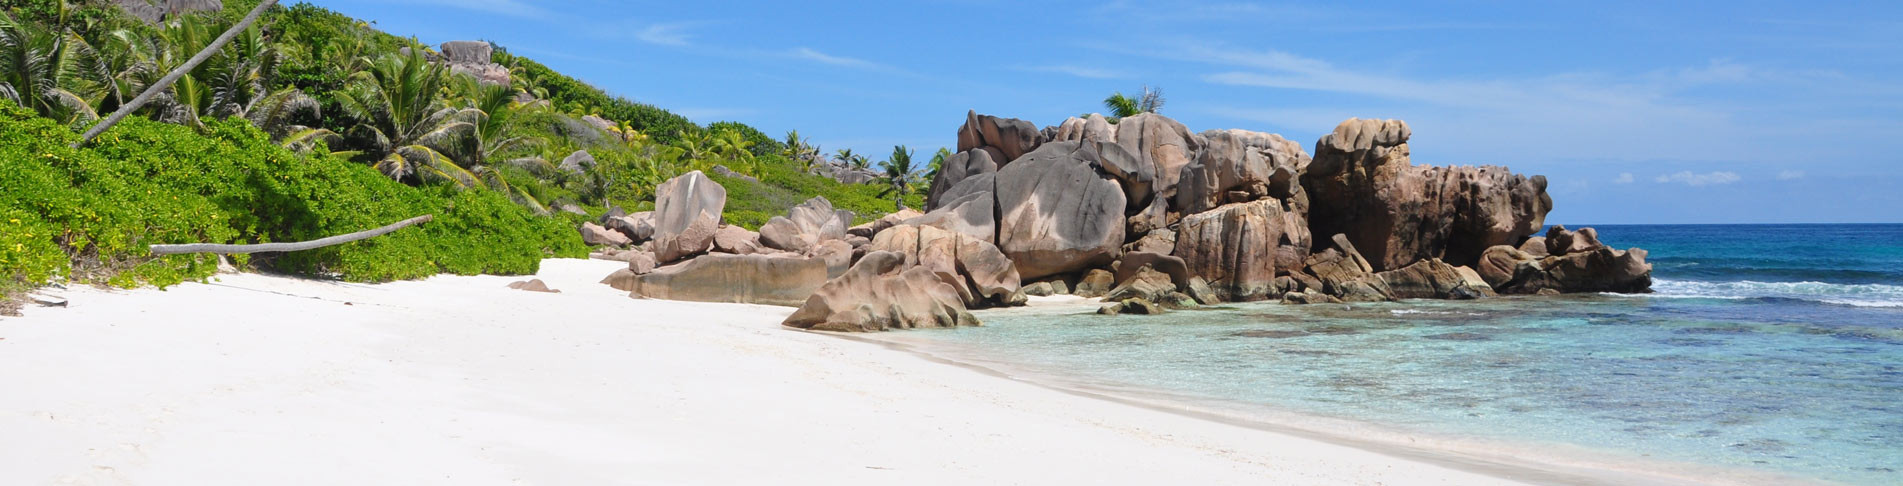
(172, 77)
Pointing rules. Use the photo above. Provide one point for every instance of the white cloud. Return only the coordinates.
(1079, 71)
(823, 58)
(1624, 178)
(1706, 179)
(664, 34)
(1790, 175)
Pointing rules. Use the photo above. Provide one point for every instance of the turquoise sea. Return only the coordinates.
(1764, 349)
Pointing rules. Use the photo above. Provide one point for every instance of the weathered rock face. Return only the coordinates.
(577, 162)
(1095, 283)
(747, 279)
(973, 212)
(881, 292)
(686, 213)
(806, 225)
(1241, 166)
(872, 228)
(1433, 279)
(980, 273)
(1144, 283)
(1166, 145)
(837, 254)
(1342, 272)
(736, 240)
(473, 58)
(638, 227)
(533, 285)
(1156, 241)
(1058, 211)
(957, 168)
(1361, 184)
(1561, 241)
(1089, 128)
(1240, 248)
(1498, 265)
(595, 235)
(1006, 138)
(1577, 262)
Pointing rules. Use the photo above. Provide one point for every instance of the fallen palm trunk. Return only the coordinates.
(177, 72)
(295, 246)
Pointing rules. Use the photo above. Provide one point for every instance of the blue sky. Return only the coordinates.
(1637, 112)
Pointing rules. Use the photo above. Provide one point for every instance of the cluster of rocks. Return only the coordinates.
(473, 58)
(1235, 215)
(812, 258)
(1141, 213)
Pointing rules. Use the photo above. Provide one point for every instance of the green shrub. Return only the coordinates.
(90, 214)
(783, 185)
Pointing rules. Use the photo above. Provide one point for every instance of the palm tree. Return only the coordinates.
(798, 149)
(860, 162)
(37, 68)
(900, 177)
(402, 124)
(734, 146)
(1148, 101)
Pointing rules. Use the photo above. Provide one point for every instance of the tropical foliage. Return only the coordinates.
(899, 177)
(1149, 100)
(311, 123)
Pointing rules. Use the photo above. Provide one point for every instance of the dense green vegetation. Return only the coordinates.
(311, 123)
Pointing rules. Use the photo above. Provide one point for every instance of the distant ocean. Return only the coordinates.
(1774, 348)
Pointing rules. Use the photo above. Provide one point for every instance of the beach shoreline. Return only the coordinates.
(459, 380)
(1533, 462)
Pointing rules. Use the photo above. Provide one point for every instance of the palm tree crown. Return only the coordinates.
(900, 177)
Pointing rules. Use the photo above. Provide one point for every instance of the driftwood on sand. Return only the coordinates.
(294, 246)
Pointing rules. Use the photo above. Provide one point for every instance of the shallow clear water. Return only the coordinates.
(1727, 365)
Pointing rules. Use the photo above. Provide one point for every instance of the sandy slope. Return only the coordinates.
(458, 380)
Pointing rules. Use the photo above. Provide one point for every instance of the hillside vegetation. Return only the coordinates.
(311, 123)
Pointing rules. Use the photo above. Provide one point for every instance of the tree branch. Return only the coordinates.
(172, 77)
(297, 246)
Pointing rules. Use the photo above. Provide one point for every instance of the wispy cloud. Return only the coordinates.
(1624, 178)
(1706, 179)
(1078, 71)
(666, 34)
(1790, 175)
(809, 54)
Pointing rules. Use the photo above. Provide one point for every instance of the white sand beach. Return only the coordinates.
(255, 379)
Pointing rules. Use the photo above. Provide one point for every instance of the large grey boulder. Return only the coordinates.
(881, 292)
(1165, 144)
(981, 273)
(1241, 166)
(1434, 279)
(686, 213)
(956, 169)
(1576, 262)
(577, 162)
(747, 279)
(806, 225)
(595, 235)
(1059, 211)
(1240, 248)
(473, 58)
(1362, 184)
(638, 227)
(973, 214)
(1005, 138)
(1092, 127)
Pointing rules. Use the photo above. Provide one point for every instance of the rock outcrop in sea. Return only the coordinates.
(1141, 212)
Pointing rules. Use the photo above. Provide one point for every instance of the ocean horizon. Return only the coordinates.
(1764, 351)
